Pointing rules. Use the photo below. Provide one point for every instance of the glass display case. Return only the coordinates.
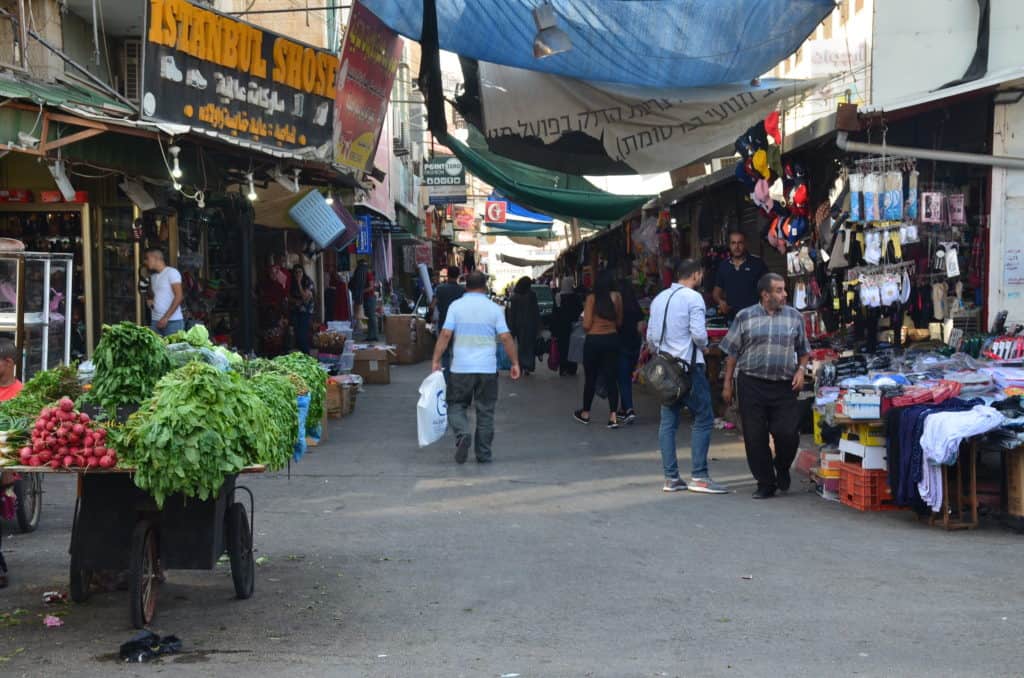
(120, 261)
(34, 291)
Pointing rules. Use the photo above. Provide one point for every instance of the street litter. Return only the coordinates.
(146, 645)
(52, 622)
(748, 577)
(51, 597)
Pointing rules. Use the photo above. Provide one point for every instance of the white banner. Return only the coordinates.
(648, 131)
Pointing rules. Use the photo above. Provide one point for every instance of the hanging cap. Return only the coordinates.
(760, 163)
(771, 126)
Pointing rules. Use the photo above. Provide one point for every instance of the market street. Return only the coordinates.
(563, 558)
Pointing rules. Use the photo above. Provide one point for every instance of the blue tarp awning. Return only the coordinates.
(518, 219)
(657, 43)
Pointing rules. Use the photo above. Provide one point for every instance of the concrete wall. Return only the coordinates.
(920, 45)
(307, 26)
(45, 18)
(77, 35)
(1006, 239)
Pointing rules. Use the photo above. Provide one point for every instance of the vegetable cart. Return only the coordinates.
(118, 527)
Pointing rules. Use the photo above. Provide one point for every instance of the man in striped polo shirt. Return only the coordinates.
(475, 322)
(768, 345)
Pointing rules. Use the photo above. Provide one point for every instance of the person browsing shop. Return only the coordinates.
(9, 388)
(602, 318)
(768, 348)
(475, 322)
(167, 295)
(677, 327)
(736, 278)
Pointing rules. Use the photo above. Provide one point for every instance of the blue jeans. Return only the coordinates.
(172, 327)
(627, 361)
(699, 402)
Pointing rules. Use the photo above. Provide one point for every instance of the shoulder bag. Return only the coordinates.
(667, 375)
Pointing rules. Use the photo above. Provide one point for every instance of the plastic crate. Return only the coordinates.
(865, 490)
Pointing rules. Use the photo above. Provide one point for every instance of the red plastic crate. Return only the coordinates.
(865, 490)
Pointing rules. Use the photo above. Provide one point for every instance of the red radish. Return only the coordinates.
(68, 460)
(106, 462)
(78, 429)
(89, 439)
(66, 404)
(45, 456)
(84, 418)
(92, 461)
(25, 455)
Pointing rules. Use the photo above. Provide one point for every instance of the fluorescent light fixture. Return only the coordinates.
(329, 199)
(550, 39)
(252, 188)
(175, 167)
(290, 184)
(1008, 96)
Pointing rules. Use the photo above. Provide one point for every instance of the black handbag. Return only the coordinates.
(669, 377)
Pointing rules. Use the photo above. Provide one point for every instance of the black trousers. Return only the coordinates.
(768, 408)
(601, 357)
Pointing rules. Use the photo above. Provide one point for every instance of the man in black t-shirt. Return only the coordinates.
(736, 278)
(447, 292)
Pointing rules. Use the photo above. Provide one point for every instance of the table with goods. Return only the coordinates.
(158, 435)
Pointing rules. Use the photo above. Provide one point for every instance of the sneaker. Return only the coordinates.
(613, 423)
(578, 416)
(461, 449)
(674, 485)
(706, 486)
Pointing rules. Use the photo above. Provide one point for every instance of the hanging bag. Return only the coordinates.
(554, 355)
(669, 377)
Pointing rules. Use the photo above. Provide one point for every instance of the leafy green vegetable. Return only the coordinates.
(200, 425)
(42, 389)
(197, 336)
(262, 365)
(278, 394)
(309, 369)
(129, 361)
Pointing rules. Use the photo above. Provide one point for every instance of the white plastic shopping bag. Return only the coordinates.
(432, 409)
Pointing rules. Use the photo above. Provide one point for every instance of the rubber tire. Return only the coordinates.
(144, 574)
(79, 580)
(239, 546)
(30, 484)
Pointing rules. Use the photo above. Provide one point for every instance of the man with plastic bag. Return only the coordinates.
(475, 322)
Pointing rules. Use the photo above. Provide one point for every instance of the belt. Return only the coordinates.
(766, 381)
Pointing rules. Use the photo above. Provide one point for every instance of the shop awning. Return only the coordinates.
(524, 261)
(554, 193)
(643, 42)
(518, 219)
(61, 95)
(991, 81)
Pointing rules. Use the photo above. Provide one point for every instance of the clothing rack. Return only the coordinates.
(881, 269)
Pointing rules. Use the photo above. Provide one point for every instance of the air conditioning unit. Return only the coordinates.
(131, 69)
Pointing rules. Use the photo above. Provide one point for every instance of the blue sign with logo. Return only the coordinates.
(364, 241)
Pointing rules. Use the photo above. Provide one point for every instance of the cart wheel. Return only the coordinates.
(145, 573)
(239, 538)
(81, 579)
(29, 491)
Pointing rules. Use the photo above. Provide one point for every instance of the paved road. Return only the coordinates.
(563, 558)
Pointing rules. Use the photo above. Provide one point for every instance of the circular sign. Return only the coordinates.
(453, 167)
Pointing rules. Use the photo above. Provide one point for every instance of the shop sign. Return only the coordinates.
(320, 221)
(445, 179)
(364, 241)
(464, 218)
(369, 59)
(835, 55)
(231, 79)
(496, 211)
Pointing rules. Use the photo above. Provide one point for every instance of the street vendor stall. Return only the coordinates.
(158, 438)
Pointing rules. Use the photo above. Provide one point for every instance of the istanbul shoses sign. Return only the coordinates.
(229, 78)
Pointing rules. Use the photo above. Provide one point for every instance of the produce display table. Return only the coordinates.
(119, 527)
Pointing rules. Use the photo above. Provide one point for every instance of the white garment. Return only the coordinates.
(684, 325)
(940, 442)
(163, 295)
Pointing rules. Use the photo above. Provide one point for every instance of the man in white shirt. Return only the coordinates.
(165, 286)
(677, 327)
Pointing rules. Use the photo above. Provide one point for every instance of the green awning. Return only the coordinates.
(60, 94)
(561, 195)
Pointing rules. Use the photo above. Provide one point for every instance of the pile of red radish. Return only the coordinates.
(64, 438)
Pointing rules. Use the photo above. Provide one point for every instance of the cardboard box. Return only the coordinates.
(410, 354)
(373, 365)
(866, 456)
(1015, 483)
(333, 403)
(409, 335)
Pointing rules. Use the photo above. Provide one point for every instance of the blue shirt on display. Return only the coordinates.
(476, 322)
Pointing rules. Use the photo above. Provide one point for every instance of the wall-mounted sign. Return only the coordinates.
(236, 81)
(369, 60)
(464, 218)
(445, 179)
(364, 241)
(496, 211)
